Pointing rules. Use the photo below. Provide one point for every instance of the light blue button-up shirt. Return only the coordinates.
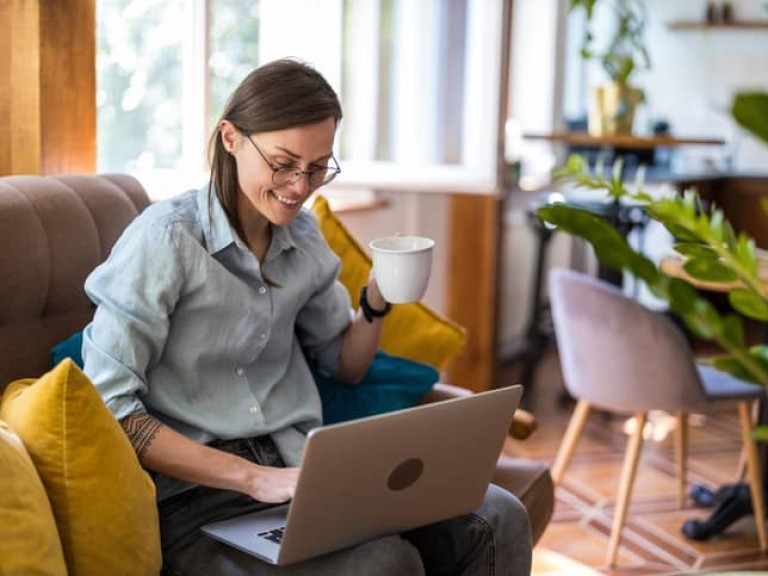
(192, 329)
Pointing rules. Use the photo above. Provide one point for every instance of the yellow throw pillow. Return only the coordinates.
(103, 500)
(411, 330)
(29, 541)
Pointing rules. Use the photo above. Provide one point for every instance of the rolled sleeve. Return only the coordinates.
(135, 295)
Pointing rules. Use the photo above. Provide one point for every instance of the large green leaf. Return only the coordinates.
(704, 319)
(760, 351)
(750, 110)
(610, 247)
(681, 296)
(732, 366)
(759, 354)
(748, 303)
(709, 270)
(732, 331)
(695, 250)
(764, 203)
(760, 433)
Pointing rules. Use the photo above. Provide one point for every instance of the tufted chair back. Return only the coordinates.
(53, 231)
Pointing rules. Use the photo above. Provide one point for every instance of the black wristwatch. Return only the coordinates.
(368, 312)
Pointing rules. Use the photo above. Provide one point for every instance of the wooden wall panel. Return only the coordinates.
(19, 74)
(68, 86)
(48, 79)
(473, 294)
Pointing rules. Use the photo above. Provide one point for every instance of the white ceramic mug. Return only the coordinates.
(402, 265)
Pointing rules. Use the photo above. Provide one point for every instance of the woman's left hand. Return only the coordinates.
(375, 299)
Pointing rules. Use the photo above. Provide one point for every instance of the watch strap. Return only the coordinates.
(368, 311)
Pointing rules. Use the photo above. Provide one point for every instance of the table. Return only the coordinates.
(627, 141)
(625, 145)
(672, 265)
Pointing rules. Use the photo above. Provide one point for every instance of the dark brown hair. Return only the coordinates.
(279, 95)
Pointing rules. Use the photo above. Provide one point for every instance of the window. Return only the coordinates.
(419, 82)
(164, 70)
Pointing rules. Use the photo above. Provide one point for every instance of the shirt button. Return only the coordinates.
(262, 290)
(253, 410)
(263, 336)
(239, 371)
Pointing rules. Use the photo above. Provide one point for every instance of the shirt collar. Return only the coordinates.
(218, 232)
(281, 240)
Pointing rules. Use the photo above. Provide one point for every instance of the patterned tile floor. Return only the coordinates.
(576, 540)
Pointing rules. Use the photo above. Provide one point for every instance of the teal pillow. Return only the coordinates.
(72, 347)
(391, 383)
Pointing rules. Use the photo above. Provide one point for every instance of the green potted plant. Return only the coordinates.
(713, 253)
(612, 105)
(750, 111)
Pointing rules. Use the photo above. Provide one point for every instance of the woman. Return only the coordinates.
(210, 311)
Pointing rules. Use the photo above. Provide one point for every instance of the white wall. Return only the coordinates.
(696, 72)
(693, 78)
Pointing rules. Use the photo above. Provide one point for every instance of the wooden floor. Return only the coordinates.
(575, 542)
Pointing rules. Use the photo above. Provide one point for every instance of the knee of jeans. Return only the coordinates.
(506, 513)
(387, 556)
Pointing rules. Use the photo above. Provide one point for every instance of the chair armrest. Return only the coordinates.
(523, 423)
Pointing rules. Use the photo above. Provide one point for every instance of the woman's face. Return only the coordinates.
(302, 148)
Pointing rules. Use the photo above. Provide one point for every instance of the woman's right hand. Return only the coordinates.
(162, 449)
(270, 484)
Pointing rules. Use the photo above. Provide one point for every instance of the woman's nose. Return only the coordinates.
(302, 184)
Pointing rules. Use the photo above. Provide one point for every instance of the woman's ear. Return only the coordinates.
(228, 134)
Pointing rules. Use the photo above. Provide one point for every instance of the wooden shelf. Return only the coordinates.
(623, 140)
(734, 25)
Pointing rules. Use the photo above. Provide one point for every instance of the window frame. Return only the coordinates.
(481, 126)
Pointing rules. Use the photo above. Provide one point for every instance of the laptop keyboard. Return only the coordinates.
(275, 535)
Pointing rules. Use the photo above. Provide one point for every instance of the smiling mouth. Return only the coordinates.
(284, 200)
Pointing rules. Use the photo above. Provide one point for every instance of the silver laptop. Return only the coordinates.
(381, 475)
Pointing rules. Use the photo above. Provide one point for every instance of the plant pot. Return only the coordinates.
(612, 109)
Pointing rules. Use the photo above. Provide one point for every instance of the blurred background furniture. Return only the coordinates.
(621, 357)
(539, 333)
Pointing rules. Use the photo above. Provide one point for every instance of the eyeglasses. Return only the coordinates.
(287, 175)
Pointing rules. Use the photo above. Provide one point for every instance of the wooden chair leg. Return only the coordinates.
(681, 453)
(628, 471)
(571, 437)
(754, 474)
(741, 467)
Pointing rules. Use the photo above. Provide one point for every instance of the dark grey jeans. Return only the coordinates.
(494, 540)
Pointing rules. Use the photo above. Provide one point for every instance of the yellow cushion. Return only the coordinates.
(411, 330)
(102, 499)
(29, 542)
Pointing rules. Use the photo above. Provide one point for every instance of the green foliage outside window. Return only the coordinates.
(140, 67)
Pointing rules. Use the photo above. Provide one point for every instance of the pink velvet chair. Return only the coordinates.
(621, 357)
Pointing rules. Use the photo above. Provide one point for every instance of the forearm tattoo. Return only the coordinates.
(141, 430)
